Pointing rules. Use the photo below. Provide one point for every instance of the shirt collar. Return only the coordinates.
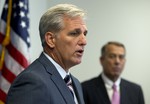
(110, 83)
(61, 71)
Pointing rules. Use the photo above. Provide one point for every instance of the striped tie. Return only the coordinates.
(68, 81)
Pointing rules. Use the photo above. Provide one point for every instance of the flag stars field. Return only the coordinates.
(23, 24)
(21, 4)
(22, 14)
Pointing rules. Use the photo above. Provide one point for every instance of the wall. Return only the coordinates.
(127, 21)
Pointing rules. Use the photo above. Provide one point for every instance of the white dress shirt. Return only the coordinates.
(109, 84)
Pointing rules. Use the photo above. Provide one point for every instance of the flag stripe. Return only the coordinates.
(1, 38)
(3, 95)
(6, 72)
(12, 64)
(5, 85)
(17, 55)
(2, 27)
(2, 31)
(15, 39)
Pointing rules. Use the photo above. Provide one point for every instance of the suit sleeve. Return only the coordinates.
(27, 89)
(141, 96)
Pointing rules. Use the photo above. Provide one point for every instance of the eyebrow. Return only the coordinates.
(79, 30)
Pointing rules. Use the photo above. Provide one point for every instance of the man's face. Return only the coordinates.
(70, 42)
(113, 61)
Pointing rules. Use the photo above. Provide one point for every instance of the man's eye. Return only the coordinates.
(73, 33)
(122, 57)
(85, 33)
(112, 56)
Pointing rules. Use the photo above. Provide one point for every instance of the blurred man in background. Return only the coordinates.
(109, 87)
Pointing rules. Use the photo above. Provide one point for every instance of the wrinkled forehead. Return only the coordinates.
(116, 49)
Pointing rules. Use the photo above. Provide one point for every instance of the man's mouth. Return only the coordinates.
(80, 52)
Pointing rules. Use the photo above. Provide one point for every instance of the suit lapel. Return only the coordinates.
(78, 90)
(61, 85)
(124, 93)
(102, 91)
(57, 79)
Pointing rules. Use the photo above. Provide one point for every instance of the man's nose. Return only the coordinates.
(83, 40)
(117, 60)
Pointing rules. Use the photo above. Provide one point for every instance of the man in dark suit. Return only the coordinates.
(99, 90)
(63, 36)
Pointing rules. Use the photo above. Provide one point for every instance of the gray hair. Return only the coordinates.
(103, 49)
(52, 19)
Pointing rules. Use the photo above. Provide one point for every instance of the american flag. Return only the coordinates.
(14, 43)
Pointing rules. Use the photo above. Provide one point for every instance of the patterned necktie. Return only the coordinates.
(115, 97)
(68, 81)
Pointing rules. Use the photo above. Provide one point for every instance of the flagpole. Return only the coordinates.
(7, 36)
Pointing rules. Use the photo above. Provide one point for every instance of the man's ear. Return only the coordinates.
(101, 58)
(49, 39)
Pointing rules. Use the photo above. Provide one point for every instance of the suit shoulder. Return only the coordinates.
(90, 82)
(130, 84)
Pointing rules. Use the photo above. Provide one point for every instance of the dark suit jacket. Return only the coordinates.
(41, 83)
(94, 92)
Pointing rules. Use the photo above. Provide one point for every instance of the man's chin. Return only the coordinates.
(78, 62)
